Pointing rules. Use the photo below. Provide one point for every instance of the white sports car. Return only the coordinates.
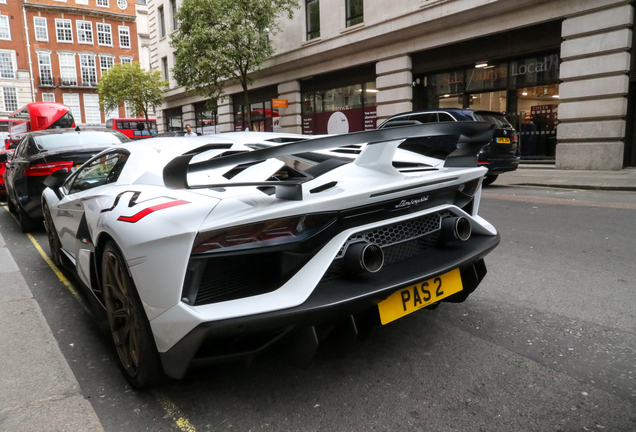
(218, 247)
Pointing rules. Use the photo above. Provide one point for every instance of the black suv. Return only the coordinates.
(501, 155)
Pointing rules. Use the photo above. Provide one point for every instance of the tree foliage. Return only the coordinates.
(221, 40)
(128, 84)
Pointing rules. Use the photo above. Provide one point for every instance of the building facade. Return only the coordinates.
(562, 71)
(61, 48)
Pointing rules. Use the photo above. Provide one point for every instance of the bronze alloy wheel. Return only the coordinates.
(128, 323)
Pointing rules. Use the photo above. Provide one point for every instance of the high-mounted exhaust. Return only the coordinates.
(363, 257)
(455, 228)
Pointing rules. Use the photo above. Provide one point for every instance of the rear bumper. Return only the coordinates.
(347, 305)
(500, 165)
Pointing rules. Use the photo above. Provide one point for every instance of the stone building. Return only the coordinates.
(561, 71)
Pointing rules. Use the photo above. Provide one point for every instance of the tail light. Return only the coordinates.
(47, 168)
(269, 233)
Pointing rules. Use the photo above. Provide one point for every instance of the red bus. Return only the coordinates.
(133, 128)
(38, 116)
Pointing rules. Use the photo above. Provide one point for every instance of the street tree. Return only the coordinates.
(130, 85)
(223, 40)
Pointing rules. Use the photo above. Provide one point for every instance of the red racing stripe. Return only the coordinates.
(145, 212)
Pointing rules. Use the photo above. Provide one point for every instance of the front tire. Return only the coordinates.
(490, 179)
(128, 323)
(54, 239)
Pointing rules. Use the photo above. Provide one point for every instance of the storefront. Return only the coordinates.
(339, 102)
(206, 120)
(173, 119)
(520, 80)
(264, 118)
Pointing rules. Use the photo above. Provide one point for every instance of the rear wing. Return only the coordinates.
(472, 137)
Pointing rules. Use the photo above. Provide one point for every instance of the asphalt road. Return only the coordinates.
(546, 343)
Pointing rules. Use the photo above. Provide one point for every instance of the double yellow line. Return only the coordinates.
(168, 406)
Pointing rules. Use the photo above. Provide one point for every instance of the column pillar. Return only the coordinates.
(394, 80)
(290, 117)
(226, 114)
(161, 127)
(188, 116)
(596, 60)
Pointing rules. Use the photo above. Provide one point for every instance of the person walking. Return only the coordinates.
(189, 132)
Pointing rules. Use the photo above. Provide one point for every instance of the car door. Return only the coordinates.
(88, 182)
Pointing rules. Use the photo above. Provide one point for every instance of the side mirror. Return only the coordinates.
(56, 180)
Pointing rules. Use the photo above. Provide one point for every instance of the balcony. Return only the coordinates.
(67, 82)
(46, 81)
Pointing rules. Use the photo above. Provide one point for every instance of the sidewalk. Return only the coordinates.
(545, 175)
(38, 391)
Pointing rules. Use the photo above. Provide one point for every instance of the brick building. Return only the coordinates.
(59, 49)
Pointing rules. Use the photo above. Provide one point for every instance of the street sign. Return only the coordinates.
(279, 103)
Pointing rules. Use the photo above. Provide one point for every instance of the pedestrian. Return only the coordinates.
(189, 132)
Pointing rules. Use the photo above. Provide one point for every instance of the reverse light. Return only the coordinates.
(47, 168)
(268, 233)
(469, 188)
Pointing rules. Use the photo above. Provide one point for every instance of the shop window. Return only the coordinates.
(355, 12)
(340, 110)
(312, 9)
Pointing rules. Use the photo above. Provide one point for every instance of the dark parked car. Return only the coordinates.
(42, 153)
(501, 155)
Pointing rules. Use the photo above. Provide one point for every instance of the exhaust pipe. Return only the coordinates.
(455, 228)
(363, 257)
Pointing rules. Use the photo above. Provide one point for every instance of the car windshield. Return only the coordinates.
(493, 118)
(80, 139)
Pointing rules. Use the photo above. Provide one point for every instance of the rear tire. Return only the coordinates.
(54, 239)
(128, 323)
(26, 223)
(490, 179)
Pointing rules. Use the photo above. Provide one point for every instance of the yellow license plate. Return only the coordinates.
(503, 140)
(415, 297)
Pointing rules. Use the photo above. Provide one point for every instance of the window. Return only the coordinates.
(68, 72)
(312, 9)
(5, 32)
(48, 97)
(84, 32)
(64, 30)
(103, 3)
(162, 22)
(129, 110)
(91, 108)
(10, 98)
(126, 60)
(87, 67)
(173, 10)
(46, 73)
(7, 70)
(355, 12)
(83, 2)
(164, 68)
(124, 37)
(104, 36)
(72, 101)
(41, 31)
(105, 63)
(98, 172)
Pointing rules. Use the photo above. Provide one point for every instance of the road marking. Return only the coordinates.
(558, 201)
(173, 411)
(169, 407)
